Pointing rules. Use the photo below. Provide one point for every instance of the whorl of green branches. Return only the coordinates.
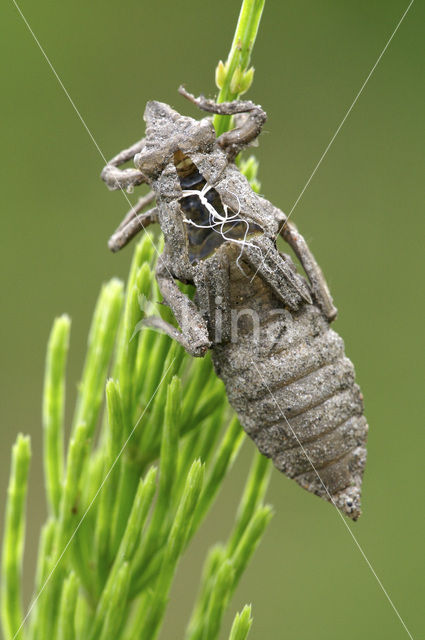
(151, 443)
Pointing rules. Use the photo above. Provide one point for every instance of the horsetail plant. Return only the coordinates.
(119, 522)
(149, 449)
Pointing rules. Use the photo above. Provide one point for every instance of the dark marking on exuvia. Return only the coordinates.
(203, 239)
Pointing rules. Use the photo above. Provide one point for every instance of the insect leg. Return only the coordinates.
(120, 237)
(194, 333)
(317, 280)
(116, 178)
(141, 204)
(126, 232)
(235, 140)
(266, 262)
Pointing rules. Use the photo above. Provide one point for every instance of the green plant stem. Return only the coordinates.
(220, 593)
(176, 542)
(107, 498)
(129, 542)
(225, 456)
(100, 345)
(53, 410)
(241, 624)
(118, 604)
(66, 630)
(254, 492)
(238, 60)
(13, 543)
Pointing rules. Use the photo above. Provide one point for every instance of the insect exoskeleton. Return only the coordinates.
(268, 326)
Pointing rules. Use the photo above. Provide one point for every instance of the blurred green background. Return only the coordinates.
(362, 214)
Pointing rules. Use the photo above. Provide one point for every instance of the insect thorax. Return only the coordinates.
(209, 223)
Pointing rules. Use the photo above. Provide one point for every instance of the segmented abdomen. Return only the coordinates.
(294, 391)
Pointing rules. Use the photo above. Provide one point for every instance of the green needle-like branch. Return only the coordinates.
(53, 410)
(175, 544)
(13, 542)
(66, 628)
(241, 624)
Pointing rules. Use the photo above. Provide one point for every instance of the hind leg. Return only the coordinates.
(266, 262)
(314, 273)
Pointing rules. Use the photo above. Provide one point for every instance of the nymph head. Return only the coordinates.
(168, 132)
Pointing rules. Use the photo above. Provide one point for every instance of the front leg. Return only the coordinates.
(235, 140)
(116, 178)
(194, 333)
